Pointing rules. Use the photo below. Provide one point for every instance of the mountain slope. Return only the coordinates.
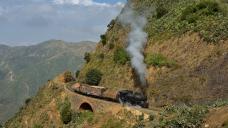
(186, 58)
(24, 68)
(186, 52)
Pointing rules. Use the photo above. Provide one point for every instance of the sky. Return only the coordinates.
(27, 22)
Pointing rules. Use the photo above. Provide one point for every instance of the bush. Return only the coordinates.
(151, 117)
(219, 103)
(87, 57)
(27, 101)
(101, 56)
(139, 125)
(111, 24)
(36, 126)
(93, 77)
(158, 60)
(111, 46)
(184, 117)
(204, 7)
(206, 17)
(77, 73)
(225, 124)
(103, 39)
(161, 11)
(68, 77)
(80, 117)
(121, 56)
(65, 112)
(113, 123)
(141, 117)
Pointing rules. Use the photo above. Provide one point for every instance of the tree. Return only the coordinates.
(121, 56)
(103, 39)
(93, 77)
(65, 112)
(68, 77)
(111, 24)
(77, 73)
(27, 101)
(87, 57)
(111, 46)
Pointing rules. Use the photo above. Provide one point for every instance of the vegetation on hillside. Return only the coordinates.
(65, 111)
(23, 69)
(175, 17)
(87, 57)
(121, 56)
(68, 77)
(158, 60)
(93, 77)
(77, 73)
(180, 33)
(103, 39)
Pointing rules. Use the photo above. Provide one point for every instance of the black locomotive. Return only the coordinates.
(132, 98)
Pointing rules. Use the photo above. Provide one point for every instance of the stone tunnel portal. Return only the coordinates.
(86, 107)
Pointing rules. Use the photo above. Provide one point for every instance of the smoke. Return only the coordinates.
(137, 39)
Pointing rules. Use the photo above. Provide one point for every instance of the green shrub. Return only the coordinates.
(111, 24)
(141, 117)
(206, 17)
(103, 39)
(87, 57)
(68, 77)
(158, 60)
(27, 101)
(204, 7)
(224, 1)
(219, 103)
(65, 111)
(151, 117)
(111, 46)
(161, 11)
(80, 117)
(101, 56)
(113, 123)
(121, 56)
(225, 124)
(139, 124)
(36, 126)
(93, 77)
(77, 73)
(184, 117)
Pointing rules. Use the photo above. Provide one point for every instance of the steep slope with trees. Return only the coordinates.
(186, 52)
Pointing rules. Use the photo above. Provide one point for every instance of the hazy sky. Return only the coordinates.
(24, 22)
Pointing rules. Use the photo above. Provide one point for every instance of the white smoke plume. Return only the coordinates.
(137, 39)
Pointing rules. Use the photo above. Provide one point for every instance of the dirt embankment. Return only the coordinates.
(217, 118)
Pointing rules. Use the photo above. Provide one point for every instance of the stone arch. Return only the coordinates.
(86, 106)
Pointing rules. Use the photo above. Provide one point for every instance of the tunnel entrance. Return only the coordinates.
(86, 107)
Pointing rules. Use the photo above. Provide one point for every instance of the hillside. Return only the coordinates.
(51, 106)
(186, 65)
(23, 69)
(186, 58)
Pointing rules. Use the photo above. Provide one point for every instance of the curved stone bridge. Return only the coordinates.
(81, 102)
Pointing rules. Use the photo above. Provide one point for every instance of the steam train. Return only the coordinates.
(125, 97)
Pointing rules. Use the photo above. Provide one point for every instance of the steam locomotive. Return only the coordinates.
(125, 97)
(132, 98)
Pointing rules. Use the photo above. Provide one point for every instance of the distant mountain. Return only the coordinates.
(24, 68)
